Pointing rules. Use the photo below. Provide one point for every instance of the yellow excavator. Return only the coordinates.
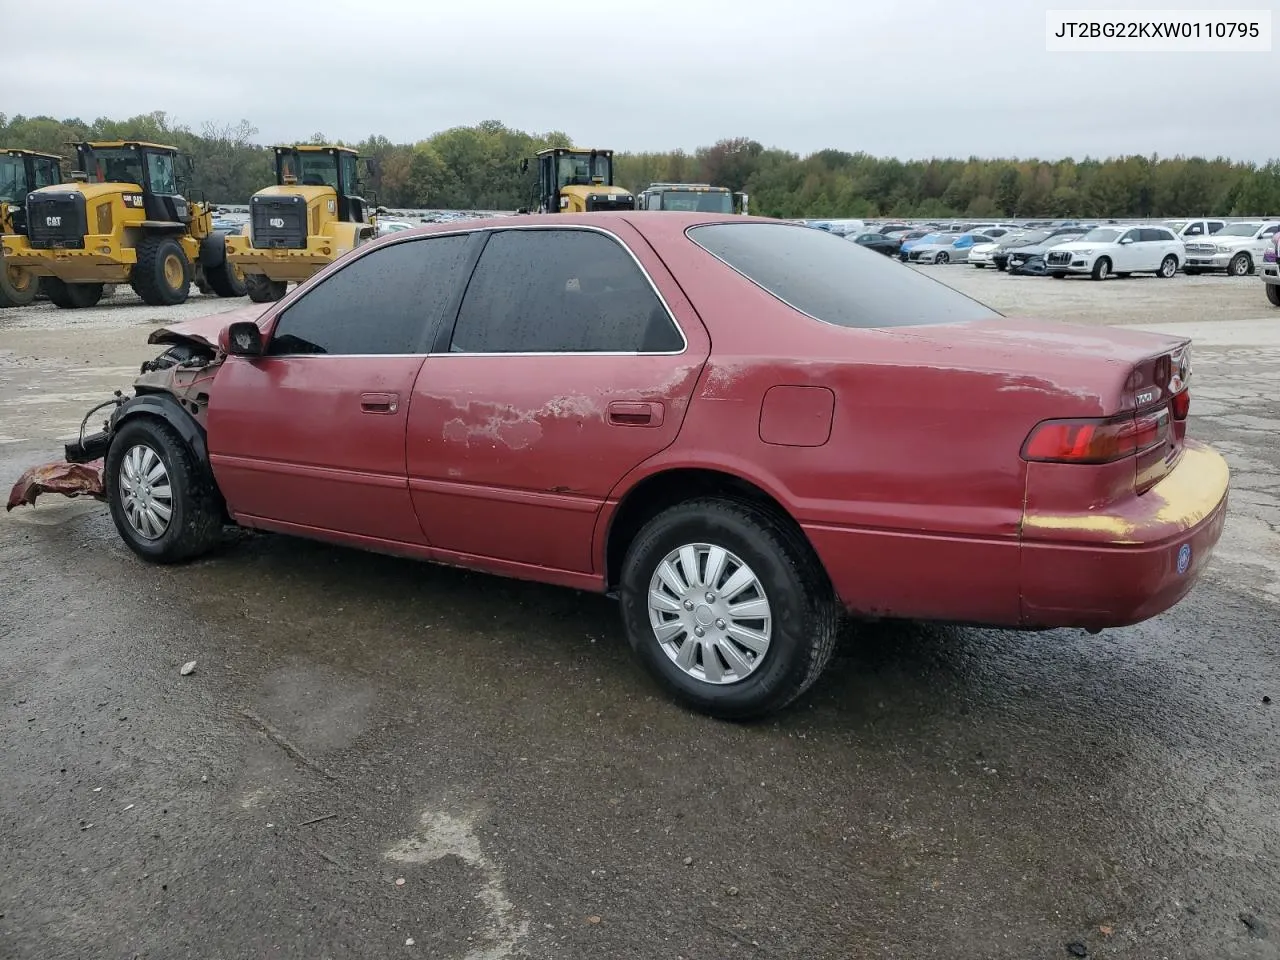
(21, 171)
(125, 216)
(574, 180)
(311, 216)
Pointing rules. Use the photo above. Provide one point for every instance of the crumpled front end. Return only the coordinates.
(68, 479)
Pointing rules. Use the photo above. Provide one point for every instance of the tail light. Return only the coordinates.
(1096, 441)
(1182, 405)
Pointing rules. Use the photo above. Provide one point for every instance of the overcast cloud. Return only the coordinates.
(908, 79)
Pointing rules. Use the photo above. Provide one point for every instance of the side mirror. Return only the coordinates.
(1126, 240)
(242, 339)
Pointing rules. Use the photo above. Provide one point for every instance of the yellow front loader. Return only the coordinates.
(573, 180)
(313, 215)
(21, 171)
(126, 217)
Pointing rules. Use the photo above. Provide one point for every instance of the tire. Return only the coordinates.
(979, 265)
(194, 525)
(1101, 268)
(1191, 271)
(1273, 293)
(18, 287)
(1241, 265)
(942, 258)
(262, 289)
(1124, 276)
(803, 612)
(72, 296)
(1168, 267)
(1002, 267)
(163, 274)
(1058, 275)
(226, 280)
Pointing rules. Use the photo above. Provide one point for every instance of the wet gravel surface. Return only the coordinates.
(353, 721)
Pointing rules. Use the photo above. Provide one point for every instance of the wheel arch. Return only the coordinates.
(665, 488)
(168, 409)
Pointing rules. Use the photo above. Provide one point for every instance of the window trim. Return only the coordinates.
(426, 342)
(444, 339)
(805, 313)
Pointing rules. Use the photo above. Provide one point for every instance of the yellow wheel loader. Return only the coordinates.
(573, 180)
(125, 217)
(21, 171)
(314, 214)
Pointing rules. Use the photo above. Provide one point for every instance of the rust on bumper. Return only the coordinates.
(69, 479)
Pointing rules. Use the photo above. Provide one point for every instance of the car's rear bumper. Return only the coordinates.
(1269, 272)
(1091, 569)
(1111, 569)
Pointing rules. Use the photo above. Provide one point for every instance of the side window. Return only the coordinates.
(1215, 226)
(561, 291)
(1134, 235)
(1154, 235)
(160, 172)
(380, 303)
(1195, 230)
(1270, 230)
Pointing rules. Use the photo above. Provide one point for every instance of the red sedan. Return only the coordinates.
(743, 427)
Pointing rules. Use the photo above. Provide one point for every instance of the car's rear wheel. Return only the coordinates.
(1101, 268)
(1273, 294)
(1168, 266)
(161, 497)
(1241, 265)
(728, 607)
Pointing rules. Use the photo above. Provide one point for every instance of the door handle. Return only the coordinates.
(625, 413)
(379, 402)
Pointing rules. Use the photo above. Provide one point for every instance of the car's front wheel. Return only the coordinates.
(728, 607)
(162, 500)
(1241, 265)
(1101, 268)
(942, 257)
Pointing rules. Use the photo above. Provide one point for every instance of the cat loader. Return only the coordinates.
(123, 218)
(573, 180)
(21, 171)
(311, 216)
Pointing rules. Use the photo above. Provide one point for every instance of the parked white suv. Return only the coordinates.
(1237, 248)
(1120, 250)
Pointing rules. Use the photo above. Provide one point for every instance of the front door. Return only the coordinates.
(564, 371)
(311, 436)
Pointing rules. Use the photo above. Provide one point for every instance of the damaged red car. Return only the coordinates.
(744, 428)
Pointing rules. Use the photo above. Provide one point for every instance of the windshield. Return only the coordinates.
(1175, 225)
(116, 165)
(160, 174)
(1061, 238)
(577, 168)
(1239, 229)
(699, 201)
(1101, 235)
(311, 168)
(832, 280)
(47, 173)
(13, 179)
(1026, 239)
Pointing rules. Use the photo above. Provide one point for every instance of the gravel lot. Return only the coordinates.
(355, 721)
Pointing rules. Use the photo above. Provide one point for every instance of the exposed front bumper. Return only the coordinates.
(1110, 569)
(101, 259)
(1269, 272)
(1208, 261)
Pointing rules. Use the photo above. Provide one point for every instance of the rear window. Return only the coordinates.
(833, 280)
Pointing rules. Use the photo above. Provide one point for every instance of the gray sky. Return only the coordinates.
(908, 79)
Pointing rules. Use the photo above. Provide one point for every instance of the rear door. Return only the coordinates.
(565, 370)
(310, 438)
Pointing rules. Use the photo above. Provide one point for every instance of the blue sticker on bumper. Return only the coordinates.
(1184, 558)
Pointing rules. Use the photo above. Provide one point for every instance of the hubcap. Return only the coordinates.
(18, 278)
(173, 270)
(145, 492)
(1241, 266)
(709, 613)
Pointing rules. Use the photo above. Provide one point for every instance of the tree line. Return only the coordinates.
(477, 167)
